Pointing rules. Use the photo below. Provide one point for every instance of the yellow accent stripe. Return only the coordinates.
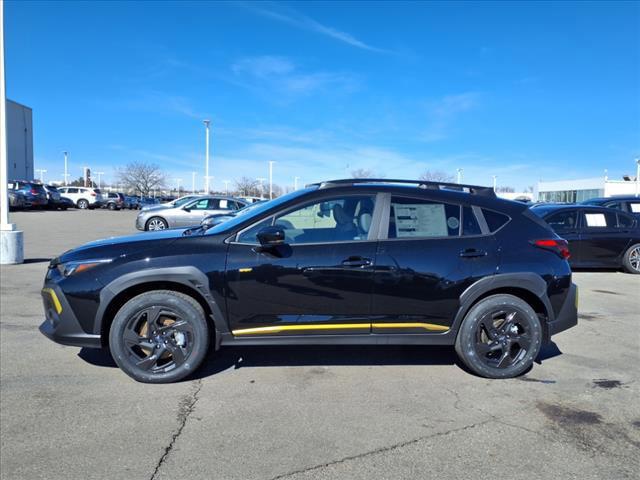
(426, 326)
(54, 297)
(284, 328)
(337, 326)
(245, 270)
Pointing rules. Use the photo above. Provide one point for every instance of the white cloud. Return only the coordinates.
(443, 112)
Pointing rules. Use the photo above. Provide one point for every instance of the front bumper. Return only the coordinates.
(61, 325)
(568, 315)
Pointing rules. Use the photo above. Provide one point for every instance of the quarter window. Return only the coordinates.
(625, 221)
(494, 220)
(411, 218)
(470, 224)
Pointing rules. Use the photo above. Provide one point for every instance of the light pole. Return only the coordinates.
(66, 170)
(260, 180)
(495, 177)
(99, 174)
(295, 182)
(226, 187)
(178, 180)
(193, 182)
(459, 171)
(42, 172)
(271, 162)
(638, 177)
(206, 156)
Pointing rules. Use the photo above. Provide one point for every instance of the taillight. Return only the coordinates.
(93, 194)
(34, 191)
(556, 245)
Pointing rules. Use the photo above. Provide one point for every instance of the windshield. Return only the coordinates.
(256, 210)
(181, 201)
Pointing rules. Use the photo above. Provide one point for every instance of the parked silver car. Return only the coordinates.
(188, 214)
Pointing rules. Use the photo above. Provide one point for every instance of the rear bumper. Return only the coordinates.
(568, 315)
(61, 325)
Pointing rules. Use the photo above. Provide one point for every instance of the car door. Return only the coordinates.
(565, 224)
(192, 213)
(318, 283)
(601, 241)
(426, 261)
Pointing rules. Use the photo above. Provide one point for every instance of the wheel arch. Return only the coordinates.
(146, 222)
(187, 280)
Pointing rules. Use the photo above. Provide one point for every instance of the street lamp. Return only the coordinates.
(271, 162)
(178, 180)
(295, 182)
(638, 177)
(459, 171)
(42, 172)
(206, 156)
(495, 177)
(66, 170)
(193, 182)
(99, 174)
(260, 180)
(226, 187)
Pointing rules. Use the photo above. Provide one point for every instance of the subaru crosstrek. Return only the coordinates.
(340, 262)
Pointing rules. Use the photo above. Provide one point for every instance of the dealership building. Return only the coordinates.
(19, 141)
(572, 191)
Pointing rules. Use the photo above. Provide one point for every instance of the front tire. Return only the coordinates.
(156, 223)
(83, 204)
(159, 336)
(500, 337)
(631, 260)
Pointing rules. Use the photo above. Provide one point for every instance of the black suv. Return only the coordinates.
(629, 203)
(340, 262)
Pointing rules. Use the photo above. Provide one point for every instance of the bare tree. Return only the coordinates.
(141, 177)
(436, 176)
(363, 173)
(246, 186)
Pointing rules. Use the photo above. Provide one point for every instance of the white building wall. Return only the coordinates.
(620, 187)
(19, 141)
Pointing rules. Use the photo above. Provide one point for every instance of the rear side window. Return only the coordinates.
(470, 224)
(617, 205)
(634, 207)
(625, 221)
(600, 219)
(72, 190)
(562, 221)
(494, 220)
(411, 218)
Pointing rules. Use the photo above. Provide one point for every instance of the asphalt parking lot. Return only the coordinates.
(314, 412)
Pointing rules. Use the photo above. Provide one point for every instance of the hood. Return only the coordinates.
(121, 246)
(162, 206)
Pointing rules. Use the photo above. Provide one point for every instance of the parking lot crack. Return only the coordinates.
(186, 407)
(385, 449)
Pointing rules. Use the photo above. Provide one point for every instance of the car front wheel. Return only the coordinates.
(500, 337)
(159, 336)
(631, 259)
(83, 204)
(156, 223)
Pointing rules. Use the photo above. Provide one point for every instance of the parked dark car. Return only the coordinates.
(629, 204)
(132, 203)
(341, 262)
(66, 203)
(54, 200)
(599, 237)
(114, 200)
(16, 200)
(34, 194)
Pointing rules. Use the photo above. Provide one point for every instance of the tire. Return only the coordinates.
(112, 206)
(631, 260)
(156, 223)
(161, 358)
(508, 349)
(82, 204)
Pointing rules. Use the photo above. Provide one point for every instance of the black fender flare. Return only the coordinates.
(189, 276)
(529, 281)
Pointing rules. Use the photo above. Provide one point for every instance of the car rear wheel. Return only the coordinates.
(83, 204)
(631, 259)
(160, 336)
(156, 223)
(500, 337)
(112, 206)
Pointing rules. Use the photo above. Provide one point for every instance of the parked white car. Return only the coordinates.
(83, 197)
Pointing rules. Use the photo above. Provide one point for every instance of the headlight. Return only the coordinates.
(71, 268)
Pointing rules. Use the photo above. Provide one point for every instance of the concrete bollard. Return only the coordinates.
(11, 247)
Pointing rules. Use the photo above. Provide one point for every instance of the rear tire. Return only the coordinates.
(112, 206)
(500, 337)
(82, 204)
(631, 260)
(145, 344)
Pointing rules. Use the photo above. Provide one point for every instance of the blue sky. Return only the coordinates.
(524, 91)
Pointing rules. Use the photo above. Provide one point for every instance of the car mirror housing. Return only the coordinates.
(271, 236)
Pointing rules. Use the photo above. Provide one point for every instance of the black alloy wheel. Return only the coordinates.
(159, 336)
(500, 337)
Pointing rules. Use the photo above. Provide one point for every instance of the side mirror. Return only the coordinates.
(186, 209)
(271, 236)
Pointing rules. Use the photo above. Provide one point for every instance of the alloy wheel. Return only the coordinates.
(634, 258)
(503, 338)
(156, 224)
(158, 340)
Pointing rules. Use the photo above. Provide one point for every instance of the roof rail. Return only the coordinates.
(472, 189)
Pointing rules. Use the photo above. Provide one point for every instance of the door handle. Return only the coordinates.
(356, 262)
(472, 253)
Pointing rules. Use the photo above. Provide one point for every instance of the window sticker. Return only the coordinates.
(635, 207)
(595, 220)
(453, 223)
(420, 220)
